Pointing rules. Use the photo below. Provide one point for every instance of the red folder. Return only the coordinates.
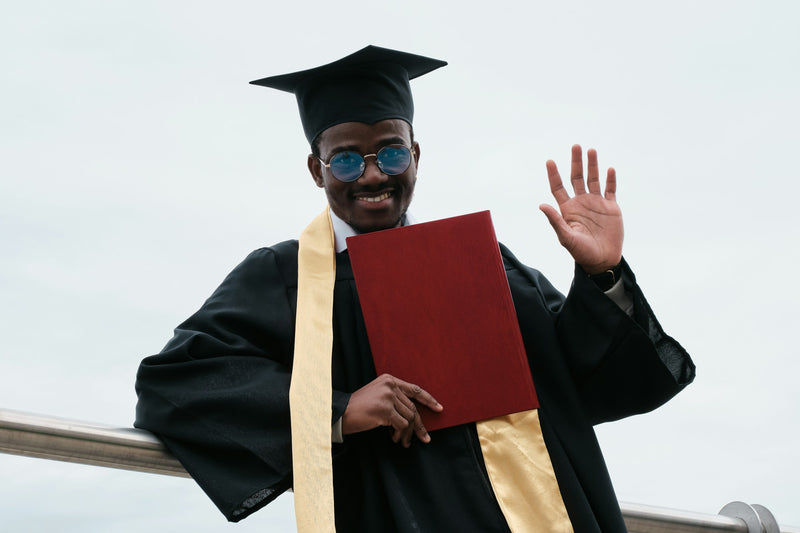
(439, 314)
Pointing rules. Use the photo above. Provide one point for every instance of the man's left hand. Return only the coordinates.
(590, 223)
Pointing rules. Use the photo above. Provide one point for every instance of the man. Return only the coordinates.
(219, 393)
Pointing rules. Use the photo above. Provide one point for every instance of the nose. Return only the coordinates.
(372, 172)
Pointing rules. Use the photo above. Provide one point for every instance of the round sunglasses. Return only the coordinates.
(349, 165)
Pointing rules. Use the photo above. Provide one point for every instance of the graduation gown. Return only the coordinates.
(217, 395)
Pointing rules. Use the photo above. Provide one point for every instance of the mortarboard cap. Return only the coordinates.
(367, 86)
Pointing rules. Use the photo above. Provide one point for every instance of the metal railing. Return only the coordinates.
(48, 437)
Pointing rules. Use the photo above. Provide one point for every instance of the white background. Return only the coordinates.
(137, 167)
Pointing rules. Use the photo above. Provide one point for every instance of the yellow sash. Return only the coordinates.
(310, 394)
(513, 449)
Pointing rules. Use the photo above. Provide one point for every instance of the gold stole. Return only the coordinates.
(513, 448)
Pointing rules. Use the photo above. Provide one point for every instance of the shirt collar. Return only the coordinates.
(342, 230)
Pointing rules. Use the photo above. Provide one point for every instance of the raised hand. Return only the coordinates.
(388, 401)
(589, 225)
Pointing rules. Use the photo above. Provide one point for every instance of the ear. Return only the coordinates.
(416, 152)
(315, 168)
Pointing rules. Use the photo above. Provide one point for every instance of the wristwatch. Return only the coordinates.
(606, 280)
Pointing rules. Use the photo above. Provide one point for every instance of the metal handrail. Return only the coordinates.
(49, 437)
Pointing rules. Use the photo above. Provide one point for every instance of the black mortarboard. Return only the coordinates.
(367, 86)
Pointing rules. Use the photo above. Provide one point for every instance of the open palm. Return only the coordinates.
(589, 224)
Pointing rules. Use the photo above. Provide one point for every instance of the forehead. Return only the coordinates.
(365, 136)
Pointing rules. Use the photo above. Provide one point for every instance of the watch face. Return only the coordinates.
(606, 280)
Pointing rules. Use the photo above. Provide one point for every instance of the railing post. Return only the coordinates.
(757, 517)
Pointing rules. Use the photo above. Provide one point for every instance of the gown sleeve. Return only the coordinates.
(218, 393)
(621, 365)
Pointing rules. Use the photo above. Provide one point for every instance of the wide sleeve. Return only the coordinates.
(218, 394)
(622, 365)
(619, 365)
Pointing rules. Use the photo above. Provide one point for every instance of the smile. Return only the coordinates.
(379, 198)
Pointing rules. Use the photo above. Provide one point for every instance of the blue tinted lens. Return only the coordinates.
(394, 160)
(347, 166)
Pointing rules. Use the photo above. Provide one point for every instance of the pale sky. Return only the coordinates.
(138, 167)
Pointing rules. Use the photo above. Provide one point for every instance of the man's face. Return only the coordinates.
(375, 201)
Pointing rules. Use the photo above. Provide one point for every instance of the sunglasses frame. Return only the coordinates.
(364, 161)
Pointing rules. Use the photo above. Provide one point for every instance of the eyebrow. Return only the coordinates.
(392, 140)
(353, 148)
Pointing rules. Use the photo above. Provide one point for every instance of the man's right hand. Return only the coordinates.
(388, 401)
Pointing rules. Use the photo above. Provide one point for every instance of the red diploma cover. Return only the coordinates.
(439, 313)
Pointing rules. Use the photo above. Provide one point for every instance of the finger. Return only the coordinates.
(560, 226)
(405, 408)
(404, 427)
(398, 435)
(399, 426)
(421, 431)
(415, 427)
(576, 172)
(408, 434)
(421, 396)
(556, 186)
(593, 172)
(611, 185)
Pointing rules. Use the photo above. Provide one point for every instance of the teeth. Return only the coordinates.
(380, 198)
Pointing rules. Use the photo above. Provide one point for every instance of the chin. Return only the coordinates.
(368, 226)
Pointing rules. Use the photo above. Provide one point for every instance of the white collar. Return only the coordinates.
(342, 230)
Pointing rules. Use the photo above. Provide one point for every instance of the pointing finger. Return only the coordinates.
(556, 186)
(419, 395)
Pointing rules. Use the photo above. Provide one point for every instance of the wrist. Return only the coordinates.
(607, 278)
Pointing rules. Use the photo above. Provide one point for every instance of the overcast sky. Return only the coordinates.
(138, 167)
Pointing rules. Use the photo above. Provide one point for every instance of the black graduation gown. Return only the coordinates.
(217, 395)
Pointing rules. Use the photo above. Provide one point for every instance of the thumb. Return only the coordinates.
(558, 223)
